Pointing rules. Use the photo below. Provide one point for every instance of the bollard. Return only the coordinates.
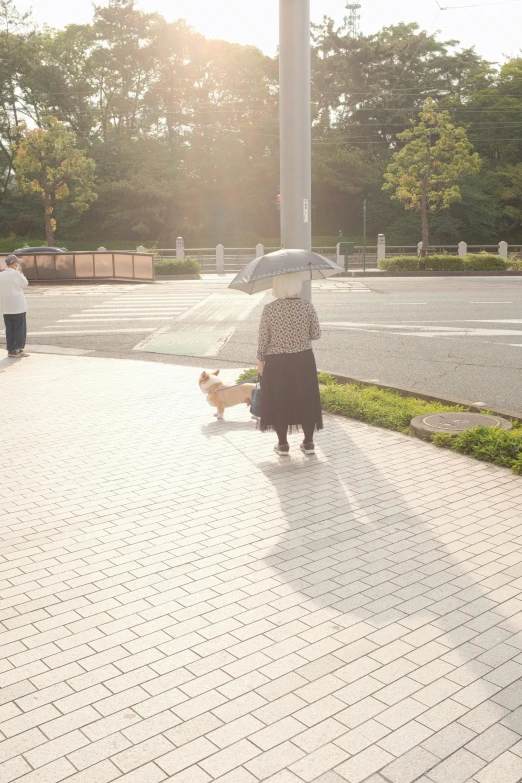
(463, 249)
(180, 249)
(260, 250)
(503, 250)
(220, 260)
(381, 247)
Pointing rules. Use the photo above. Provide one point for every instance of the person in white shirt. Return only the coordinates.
(13, 306)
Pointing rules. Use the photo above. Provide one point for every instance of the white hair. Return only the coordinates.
(287, 286)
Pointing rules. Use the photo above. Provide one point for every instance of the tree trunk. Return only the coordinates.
(424, 218)
(48, 225)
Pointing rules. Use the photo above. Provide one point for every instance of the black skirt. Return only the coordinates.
(290, 392)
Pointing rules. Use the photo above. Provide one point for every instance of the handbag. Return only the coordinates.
(255, 403)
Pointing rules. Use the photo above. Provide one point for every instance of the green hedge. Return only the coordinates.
(177, 267)
(444, 263)
(478, 262)
(399, 264)
(515, 265)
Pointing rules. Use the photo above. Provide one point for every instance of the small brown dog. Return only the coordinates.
(221, 396)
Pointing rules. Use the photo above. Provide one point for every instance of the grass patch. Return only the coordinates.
(391, 411)
(378, 407)
(501, 447)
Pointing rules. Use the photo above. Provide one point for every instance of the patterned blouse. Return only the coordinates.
(287, 326)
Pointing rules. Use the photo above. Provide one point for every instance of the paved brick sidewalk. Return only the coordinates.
(177, 603)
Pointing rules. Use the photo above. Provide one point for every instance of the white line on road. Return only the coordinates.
(105, 319)
(103, 313)
(158, 298)
(145, 306)
(91, 331)
(416, 330)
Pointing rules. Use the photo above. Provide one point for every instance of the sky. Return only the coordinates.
(492, 27)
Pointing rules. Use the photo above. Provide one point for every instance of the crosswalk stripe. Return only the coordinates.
(109, 320)
(92, 331)
(132, 313)
(138, 309)
(129, 312)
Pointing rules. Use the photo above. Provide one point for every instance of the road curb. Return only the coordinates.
(377, 273)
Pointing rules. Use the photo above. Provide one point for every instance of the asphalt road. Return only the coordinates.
(455, 337)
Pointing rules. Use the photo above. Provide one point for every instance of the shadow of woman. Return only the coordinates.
(378, 560)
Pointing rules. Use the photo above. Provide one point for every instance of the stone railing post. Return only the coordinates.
(220, 260)
(180, 249)
(381, 247)
(260, 250)
(503, 250)
(463, 249)
(340, 258)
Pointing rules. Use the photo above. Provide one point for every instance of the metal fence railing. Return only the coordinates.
(222, 259)
(235, 258)
(412, 250)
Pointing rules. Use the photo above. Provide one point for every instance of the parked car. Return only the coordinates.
(37, 250)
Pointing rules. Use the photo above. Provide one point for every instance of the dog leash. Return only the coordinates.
(232, 387)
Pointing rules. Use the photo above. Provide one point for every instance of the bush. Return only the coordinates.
(399, 264)
(441, 263)
(444, 263)
(177, 267)
(484, 262)
(248, 375)
(515, 265)
(490, 444)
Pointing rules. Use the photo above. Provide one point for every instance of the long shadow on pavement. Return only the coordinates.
(387, 568)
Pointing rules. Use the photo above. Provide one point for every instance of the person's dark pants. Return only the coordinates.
(282, 435)
(15, 331)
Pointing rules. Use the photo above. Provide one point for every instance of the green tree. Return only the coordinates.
(48, 164)
(424, 174)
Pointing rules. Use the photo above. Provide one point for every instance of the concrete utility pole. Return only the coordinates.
(295, 127)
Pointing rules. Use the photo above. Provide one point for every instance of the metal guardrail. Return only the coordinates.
(236, 257)
(85, 265)
(412, 250)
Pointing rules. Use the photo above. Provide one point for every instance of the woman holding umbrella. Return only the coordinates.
(290, 391)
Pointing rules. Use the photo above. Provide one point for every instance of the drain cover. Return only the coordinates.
(454, 422)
